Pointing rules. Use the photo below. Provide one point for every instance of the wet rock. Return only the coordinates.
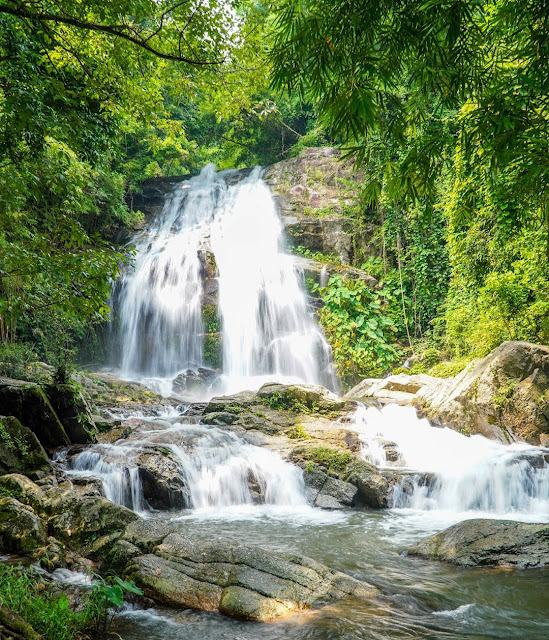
(399, 389)
(13, 627)
(20, 449)
(21, 530)
(327, 492)
(192, 381)
(161, 480)
(29, 404)
(52, 556)
(78, 521)
(243, 582)
(23, 489)
(489, 542)
(73, 411)
(307, 397)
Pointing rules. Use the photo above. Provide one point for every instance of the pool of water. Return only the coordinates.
(422, 599)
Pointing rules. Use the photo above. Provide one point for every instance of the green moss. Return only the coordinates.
(449, 369)
(332, 458)
(297, 433)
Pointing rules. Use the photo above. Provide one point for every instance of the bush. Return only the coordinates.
(14, 358)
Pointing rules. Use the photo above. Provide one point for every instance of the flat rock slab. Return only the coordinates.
(487, 543)
(239, 581)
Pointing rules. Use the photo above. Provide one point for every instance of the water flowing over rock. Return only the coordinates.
(502, 396)
(454, 473)
(266, 327)
(489, 542)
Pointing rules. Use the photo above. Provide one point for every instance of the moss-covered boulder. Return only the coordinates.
(30, 405)
(20, 450)
(21, 530)
(240, 581)
(73, 411)
(80, 520)
(18, 486)
(482, 542)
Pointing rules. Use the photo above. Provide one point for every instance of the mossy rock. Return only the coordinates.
(13, 627)
(30, 405)
(21, 530)
(73, 412)
(20, 450)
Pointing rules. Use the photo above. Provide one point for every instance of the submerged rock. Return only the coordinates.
(239, 581)
(489, 542)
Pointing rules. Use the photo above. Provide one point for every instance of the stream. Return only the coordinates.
(268, 332)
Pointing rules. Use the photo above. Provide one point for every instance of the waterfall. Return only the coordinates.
(267, 328)
(217, 468)
(467, 473)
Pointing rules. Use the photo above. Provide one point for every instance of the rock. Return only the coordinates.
(313, 269)
(29, 404)
(24, 490)
(230, 404)
(489, 542)
(326, 492)
(373, 489)
(191, 381)
(300, 397)
(20, 450)
(502, 396)
(13, 627)
(312, 191)
(243, 582)
(21, 530)
(161, 480)
(78, 521)
(73, 412)
(399, 389)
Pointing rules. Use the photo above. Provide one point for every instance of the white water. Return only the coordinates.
(469, 474)
(220, 469)
(267, 330)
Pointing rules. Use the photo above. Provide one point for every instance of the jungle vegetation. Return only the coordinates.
(444, 104)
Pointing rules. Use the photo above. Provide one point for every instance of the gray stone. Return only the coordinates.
(21, 530)
(489, 542)
(20, 449)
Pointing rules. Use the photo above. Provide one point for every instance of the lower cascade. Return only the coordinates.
(203, 466)
(457, 473)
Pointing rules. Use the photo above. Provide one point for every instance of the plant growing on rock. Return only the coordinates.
(358, 328)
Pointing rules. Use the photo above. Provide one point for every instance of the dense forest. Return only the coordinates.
(442, 103)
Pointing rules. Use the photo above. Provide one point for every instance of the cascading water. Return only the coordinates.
(267, 329)
(217, 468)
(466, 473)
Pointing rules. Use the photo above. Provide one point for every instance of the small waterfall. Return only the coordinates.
(216, 467)
(111, 465)
(468, 473)
(267, 328)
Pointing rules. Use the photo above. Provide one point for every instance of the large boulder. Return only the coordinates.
(162, 482)
(242, 582)
(30, 405)
(489, 542)
(21, 530)
(502, 396)
(399, 389)
(81, 520)
(20, 450)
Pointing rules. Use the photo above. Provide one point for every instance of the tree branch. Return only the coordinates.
(118, 31)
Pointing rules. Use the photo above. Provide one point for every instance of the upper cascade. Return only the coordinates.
(267, 328)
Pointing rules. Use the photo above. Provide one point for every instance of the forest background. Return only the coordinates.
(443, 103)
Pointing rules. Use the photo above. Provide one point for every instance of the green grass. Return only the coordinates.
(23, 592)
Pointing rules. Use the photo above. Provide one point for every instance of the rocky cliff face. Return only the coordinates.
(315, 192)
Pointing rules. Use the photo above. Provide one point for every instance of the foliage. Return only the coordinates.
(332, 458)
(297, 432)
(330, 258)
(24, 592)
(358, 327)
